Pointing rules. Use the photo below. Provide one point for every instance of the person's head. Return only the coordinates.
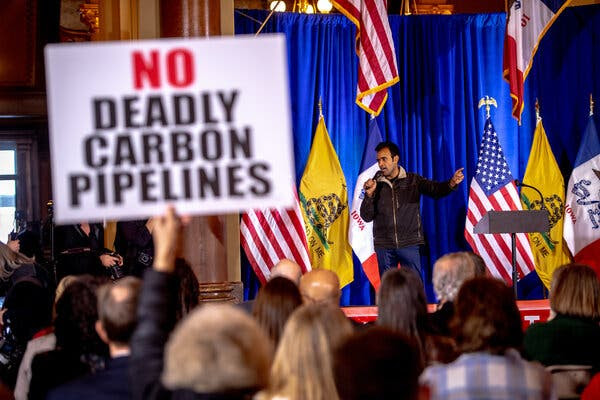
(76, 316)
(377, 363)
(303, 364)
(117, 310)
(388, 157)
(217, 349)
(401, 302)
(11, 260)
(478, 263)
(575, 291)
(274, 304)
(189, 288)
(28, 307)
(449, 273)
(486, 317)
(288, 269)
(320, 286)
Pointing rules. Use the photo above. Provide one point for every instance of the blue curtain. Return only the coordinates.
(446, 64)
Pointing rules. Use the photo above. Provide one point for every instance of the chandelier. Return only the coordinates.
(303, 6)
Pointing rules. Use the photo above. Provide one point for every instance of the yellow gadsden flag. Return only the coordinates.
(542, 171)
(324, 199)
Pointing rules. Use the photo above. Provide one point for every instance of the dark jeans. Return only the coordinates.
(408, 257)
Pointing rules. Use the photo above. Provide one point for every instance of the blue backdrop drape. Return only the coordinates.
(446, 64)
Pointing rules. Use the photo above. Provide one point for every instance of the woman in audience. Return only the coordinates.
(274, 304)
(572, 336)
(402, 307)
(487, 327)
(303, 365)
(10, 261)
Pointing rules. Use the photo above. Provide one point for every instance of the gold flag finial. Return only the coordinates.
(487, 101)
(591, 105)
(320, 107)
(538, 118)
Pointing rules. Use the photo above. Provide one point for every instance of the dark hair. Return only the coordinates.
(392, 147)
(274, 304)
(118, 313)
(377, 363)
(486, 317)
(189, 288)
(402, 305)
(76, 316)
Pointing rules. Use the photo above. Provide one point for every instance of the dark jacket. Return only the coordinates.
(134, 243)
(395, 209)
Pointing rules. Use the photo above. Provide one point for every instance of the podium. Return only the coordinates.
(513, 222)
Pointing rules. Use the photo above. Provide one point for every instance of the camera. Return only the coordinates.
(11, 352)
(144, 259)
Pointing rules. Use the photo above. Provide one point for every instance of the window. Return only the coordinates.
(8, 188)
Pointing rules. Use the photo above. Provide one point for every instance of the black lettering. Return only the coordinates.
(187, 183)
(152, 148)
(79, 183)
(130, 111)
(90, 143)
(147, 185)
(233, 180)
(211, 145)
(124, 150)
(168, 194)
(237, 142)
(101, 192)
(257, 171)
(185, 113)
(205, 180)
(155, 111)
(181, 146)
(121, 182)
(228, 104)
(105, 113)
(208, 117)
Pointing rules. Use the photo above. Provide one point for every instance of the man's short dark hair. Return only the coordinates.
(118, 311)
(394, 151)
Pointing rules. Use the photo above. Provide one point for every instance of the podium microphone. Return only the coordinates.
(521, 184)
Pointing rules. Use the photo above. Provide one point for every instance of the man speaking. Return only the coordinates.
(392, 202)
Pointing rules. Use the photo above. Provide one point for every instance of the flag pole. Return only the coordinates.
(538, 118)
(320, 108)
(591, 105)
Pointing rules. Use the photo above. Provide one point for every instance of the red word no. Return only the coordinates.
(151, 68)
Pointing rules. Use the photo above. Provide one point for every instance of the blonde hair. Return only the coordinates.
(303, 365)
(217, 349)
(575, 291)
(10, 261)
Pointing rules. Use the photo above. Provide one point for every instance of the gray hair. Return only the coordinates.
(449, 273)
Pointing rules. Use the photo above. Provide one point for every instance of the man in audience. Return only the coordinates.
(117, 313)
(488, 332)
(216, 352)
(449, 273)
(320, 286)
(288, 269)
(378, 363)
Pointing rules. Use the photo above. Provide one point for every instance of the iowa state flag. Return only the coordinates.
(324, 203)
(361, 232)
(527, 22)
(542, 172)
(582, 209)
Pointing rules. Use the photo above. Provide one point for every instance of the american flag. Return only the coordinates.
(493, 188)
(377, 59)
(269, 235)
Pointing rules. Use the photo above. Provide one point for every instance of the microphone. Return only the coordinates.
(521, 184)
(377, 175)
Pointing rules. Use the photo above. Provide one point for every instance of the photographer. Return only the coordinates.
(134, 241)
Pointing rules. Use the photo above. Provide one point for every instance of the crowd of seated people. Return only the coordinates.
(146, 337)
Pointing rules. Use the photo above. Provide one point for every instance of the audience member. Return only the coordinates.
(487, 327)
(44, 340)
(117, 317)
(378, 363)
(571, 337)
(10, 261)
(79, 349)
(320, 286)
(288, 269)
(189, 288)
(133, 240)
(449, 273)
(303, 364)
(478, 263)
(216, 352)
(274, 304)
